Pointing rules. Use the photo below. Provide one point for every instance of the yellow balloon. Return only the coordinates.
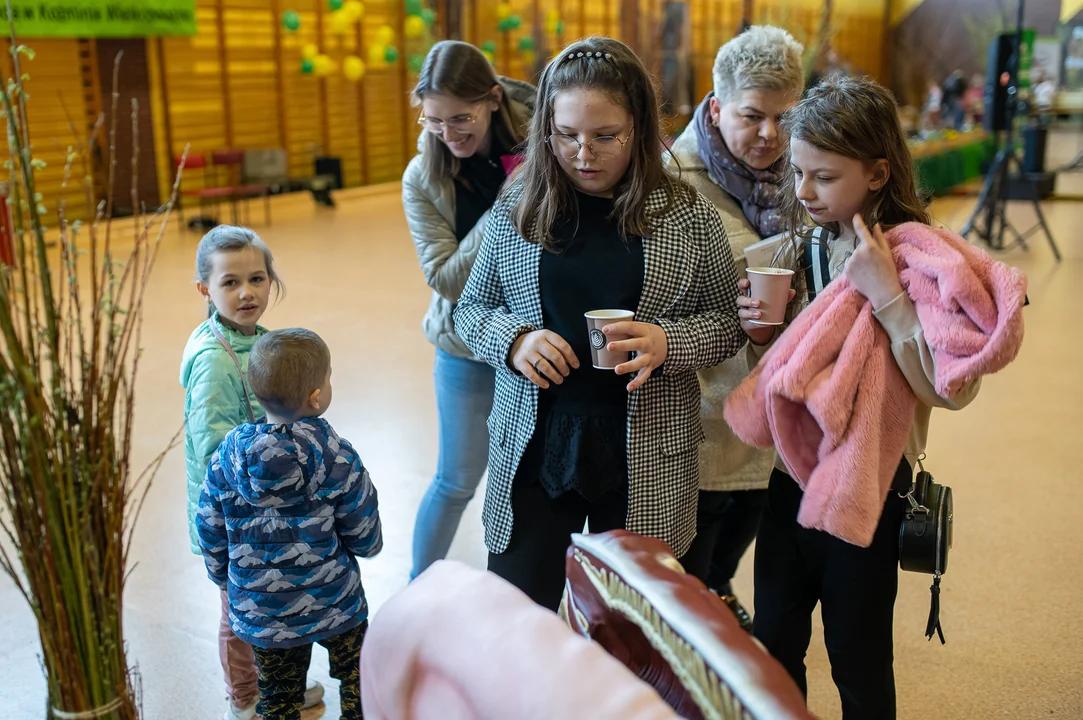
(376, 55)
(414, 26)
(340, 23)
(310, 51)
(529, 58)
(324, 65)
(503, 11)
(385, 35)
(551, 17)
(353, 68)
(354, 10)
(489, 57)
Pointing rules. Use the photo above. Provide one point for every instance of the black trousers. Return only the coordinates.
(283, 674)
(726, 524)
(541, 534)
(856, 587)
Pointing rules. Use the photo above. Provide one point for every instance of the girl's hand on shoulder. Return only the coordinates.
(871, 269)
(649, 343)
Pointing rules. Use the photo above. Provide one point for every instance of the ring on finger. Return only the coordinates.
(536, 363)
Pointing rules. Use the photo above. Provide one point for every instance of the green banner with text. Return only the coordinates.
(103, 18)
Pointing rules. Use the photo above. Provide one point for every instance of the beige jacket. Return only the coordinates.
(725, 463)
(445, 261)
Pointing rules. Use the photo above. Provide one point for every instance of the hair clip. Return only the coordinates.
(590, 55)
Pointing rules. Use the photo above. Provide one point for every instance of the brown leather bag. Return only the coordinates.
(629, 594)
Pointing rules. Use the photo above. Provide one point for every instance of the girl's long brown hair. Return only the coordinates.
(459, 70)
(856, 118)
(547, 193)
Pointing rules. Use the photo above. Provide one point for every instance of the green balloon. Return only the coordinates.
(414, 62)
(560, 27)
(335, 5)
(413, 7)
(391, 54)
(307, 67)
(428, 15)
(489, 46)
(514, 22)
(526, 43)
(291, 20)
(504, 25)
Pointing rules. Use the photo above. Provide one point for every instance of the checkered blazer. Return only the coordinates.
(689, 289)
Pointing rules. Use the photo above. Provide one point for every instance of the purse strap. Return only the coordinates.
(817, 264)
(244, 380)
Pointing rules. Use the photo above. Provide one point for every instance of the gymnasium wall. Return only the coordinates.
(237, 83)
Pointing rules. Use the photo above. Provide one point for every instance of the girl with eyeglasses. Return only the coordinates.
(473, 122)
(595, 222)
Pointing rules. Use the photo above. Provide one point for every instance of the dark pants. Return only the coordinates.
(856, 587)
(283, 675)
(541, 534)
(726, 524)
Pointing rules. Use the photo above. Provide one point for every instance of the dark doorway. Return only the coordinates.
(133, 82)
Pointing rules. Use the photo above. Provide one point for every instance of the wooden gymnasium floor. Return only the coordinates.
(1011, 603)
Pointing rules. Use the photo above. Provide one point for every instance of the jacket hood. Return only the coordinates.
(277, 465)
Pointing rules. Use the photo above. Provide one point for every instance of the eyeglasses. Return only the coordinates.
(459, 123)
(601, 147)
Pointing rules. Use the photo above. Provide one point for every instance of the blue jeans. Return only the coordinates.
(464, 399)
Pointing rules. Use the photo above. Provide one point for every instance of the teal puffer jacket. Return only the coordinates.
(214, 402)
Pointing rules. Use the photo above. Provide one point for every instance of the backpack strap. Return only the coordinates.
(244, 380)
(817, 270)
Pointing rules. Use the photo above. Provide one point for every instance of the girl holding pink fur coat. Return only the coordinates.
(892, 326)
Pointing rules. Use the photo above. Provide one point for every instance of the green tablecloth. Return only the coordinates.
(950, 168)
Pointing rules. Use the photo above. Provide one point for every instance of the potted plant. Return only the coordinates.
(70, 320)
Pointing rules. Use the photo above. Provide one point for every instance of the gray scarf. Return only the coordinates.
(756, 190)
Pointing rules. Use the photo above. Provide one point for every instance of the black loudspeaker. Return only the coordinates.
(1034, 148)
(994, 115)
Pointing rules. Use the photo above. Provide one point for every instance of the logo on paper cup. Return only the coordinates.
(597, 339)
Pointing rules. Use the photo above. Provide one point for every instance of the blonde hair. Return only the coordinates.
(232, 238)
(763, 57)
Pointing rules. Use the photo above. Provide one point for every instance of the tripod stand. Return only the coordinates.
(992, 202)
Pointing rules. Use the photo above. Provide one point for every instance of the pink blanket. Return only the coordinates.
(462, 644)
(830, 396)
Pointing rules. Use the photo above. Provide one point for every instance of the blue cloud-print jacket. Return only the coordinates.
(283, 515)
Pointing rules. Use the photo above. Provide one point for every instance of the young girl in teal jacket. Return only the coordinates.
(235, 274)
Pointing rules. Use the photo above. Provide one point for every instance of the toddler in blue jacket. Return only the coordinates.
(286, 509)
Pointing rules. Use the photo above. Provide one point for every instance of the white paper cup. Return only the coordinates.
(771, 286)
(598, 319)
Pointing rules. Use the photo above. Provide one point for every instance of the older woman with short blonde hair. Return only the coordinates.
(734, 152)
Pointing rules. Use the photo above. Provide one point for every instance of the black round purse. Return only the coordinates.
(925, 537)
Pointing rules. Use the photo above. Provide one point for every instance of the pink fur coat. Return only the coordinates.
(833, 401)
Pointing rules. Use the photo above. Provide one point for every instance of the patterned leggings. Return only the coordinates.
(283, 673)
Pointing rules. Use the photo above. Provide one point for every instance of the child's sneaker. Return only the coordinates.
(237, 713)
(313, 694)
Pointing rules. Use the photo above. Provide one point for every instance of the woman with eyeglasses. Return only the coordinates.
(473, 123)
(595, 223)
